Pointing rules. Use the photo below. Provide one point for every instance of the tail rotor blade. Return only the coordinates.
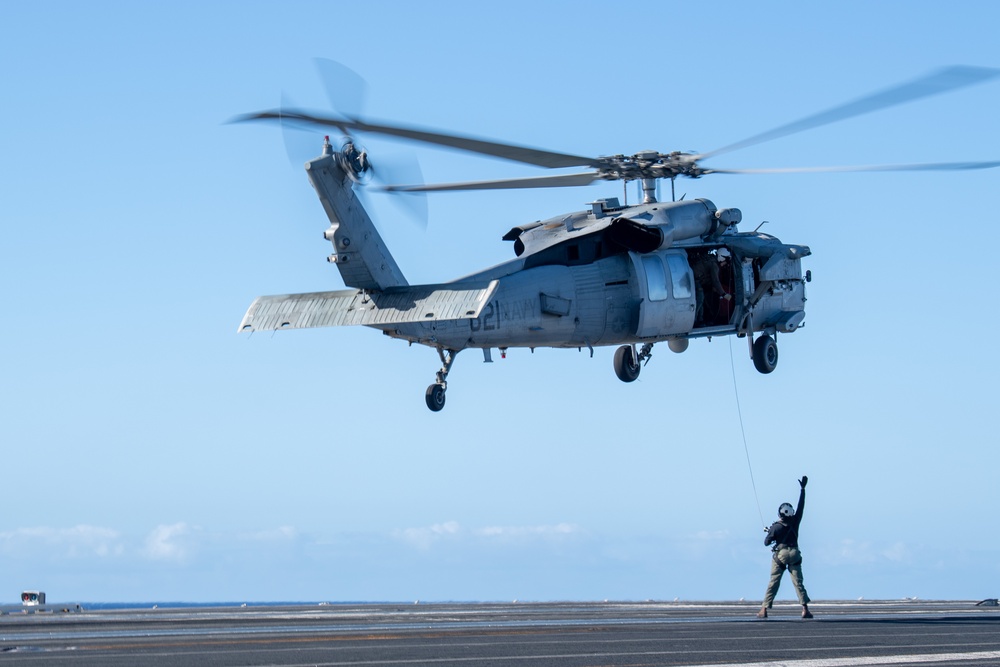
(403, 169)
(346, 90)
(301, 145)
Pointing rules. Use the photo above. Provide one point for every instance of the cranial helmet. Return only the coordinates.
(722, 254)
(786, 510)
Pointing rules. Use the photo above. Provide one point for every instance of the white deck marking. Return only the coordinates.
(926, 658)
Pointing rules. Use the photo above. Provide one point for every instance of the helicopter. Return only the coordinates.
(611, 274)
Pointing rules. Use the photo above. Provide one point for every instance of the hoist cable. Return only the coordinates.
(746, 448)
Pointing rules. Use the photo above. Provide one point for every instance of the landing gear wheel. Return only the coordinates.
(435, 397)
(626, 365)
(765, 354)
(435, 392)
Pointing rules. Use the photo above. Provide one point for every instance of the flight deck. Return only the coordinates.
(570, 634)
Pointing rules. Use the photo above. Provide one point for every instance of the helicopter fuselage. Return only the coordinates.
(625, 298)
(610, 275)
(630, 276)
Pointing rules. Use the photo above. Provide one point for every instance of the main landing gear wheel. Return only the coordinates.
(765, 354)
(435, 393)
(435, 397)
(626, 364)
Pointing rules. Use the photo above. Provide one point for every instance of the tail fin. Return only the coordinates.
(358, 249)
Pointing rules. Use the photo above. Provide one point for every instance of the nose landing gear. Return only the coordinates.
(435, 392)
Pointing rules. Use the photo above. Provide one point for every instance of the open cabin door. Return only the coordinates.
(666, 287)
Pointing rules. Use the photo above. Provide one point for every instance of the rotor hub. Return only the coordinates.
(650, 165)
(354, 162)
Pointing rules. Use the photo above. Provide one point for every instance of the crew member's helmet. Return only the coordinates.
(786, 510)
(722, 255)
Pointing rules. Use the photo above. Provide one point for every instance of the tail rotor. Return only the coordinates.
(346, 92)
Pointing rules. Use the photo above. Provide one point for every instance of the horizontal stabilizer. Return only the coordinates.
(395, 305)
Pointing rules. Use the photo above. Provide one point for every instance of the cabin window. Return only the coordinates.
(680, 276)
(656, 278)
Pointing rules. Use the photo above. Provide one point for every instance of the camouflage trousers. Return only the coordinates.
(783, 559)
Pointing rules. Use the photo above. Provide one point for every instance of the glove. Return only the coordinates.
(803, 481)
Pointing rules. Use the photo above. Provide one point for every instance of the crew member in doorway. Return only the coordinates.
(784, 536)
(706, 281)
(725, 305)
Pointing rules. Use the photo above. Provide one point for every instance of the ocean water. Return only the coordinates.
(101, 606)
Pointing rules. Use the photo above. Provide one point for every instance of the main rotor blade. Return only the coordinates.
(930, 166)
(559, 181)
(942, 81)
(524, 154)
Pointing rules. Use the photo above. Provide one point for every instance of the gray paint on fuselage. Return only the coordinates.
(514, 316)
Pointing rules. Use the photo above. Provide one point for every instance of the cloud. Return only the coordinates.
(76, 542)
(712, 536)
(168, 543)
(851, 551)
(280, 534)
(425, 537)
(897, 552)
(511, 533)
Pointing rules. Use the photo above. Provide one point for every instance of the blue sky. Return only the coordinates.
(153, 453)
